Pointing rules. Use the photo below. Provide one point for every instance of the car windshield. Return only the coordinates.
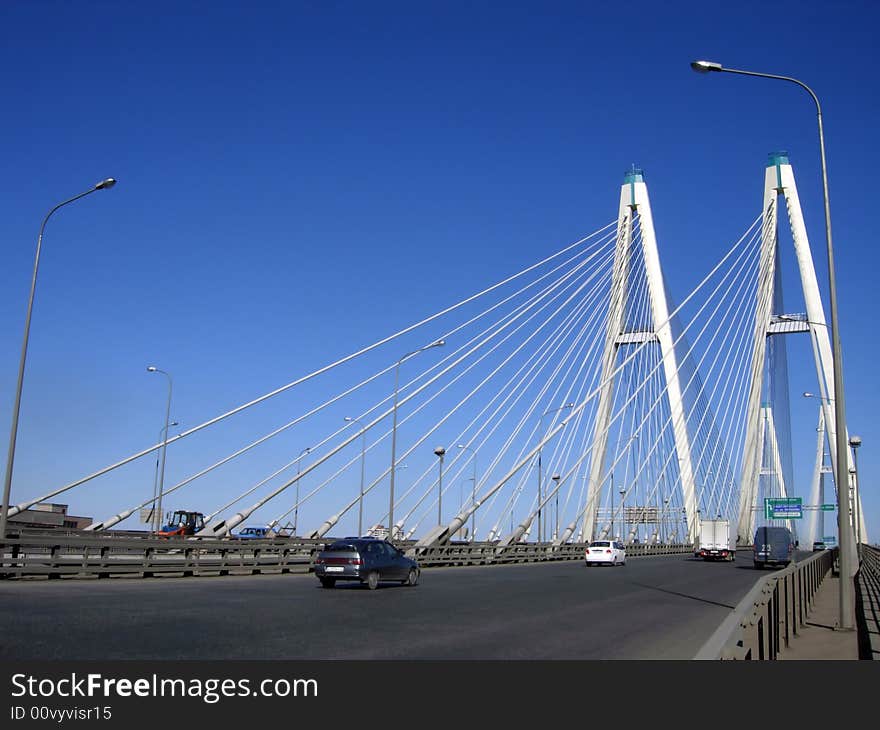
(600, 543)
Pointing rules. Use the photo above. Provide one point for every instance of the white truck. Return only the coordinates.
(715, 542)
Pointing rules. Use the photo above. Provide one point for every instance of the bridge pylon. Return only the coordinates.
(779, 182)
(634, 203)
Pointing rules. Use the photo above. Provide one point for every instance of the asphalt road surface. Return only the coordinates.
(652, 608)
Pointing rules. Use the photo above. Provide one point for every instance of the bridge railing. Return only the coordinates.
(491, 553)
(868, 601)
(772, 613)
(60, 554)
(55, 556)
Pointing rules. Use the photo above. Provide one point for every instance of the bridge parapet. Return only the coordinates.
(868, 601)
(771, 615)
(87, 555)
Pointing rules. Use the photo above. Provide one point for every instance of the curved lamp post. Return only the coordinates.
(305, 451)
(474, 492)
(556, 478)
(855, 442)
(440, 452)
(163, 434)
(363, 453)
(847, 590)
(436, 343)
(16, 408)
(540, 475)
(158, 516)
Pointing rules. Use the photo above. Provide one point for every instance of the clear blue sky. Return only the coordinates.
(300, 179)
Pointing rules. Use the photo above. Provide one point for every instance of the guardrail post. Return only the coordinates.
(147, 561)
(102, 555)
(187, 563)
(255, 570)
(53, 560)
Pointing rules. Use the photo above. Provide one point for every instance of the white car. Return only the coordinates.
(610, 552)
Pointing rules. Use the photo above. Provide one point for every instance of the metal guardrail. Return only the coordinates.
(102, 557)
(489, 553)
(868, 602)
(57, 555)
(772, 613)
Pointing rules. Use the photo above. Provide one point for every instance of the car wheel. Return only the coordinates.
(413, 578)
(373, 580)
(589, 564)
(328, 582)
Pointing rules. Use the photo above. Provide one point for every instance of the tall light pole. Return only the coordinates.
(612, 505)
(540, 476)
(847, 589)
(296, 506)
(474, 492)
(16, 407)
(436, 343)
(158, 515)
(363, 453)
(556, 478)
(441, 452)
(855, 442)
(163, 434)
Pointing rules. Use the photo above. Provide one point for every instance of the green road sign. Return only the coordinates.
(829, 507)
(783, 508)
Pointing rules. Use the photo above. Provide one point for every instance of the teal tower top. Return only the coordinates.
(635, 175)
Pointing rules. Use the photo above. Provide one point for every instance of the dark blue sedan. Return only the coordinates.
(367, 560)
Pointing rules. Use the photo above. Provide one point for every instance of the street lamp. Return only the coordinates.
(158, 515)
(361, 497)
(296, 506)
(540, 477)
(611, 490)
(436, 343)
(16, 408)
(474, 493)
(556, 478)
(441, 452)
(855, 442)
(622, 514)
(663, 523)
(163, 434)
(847, 590)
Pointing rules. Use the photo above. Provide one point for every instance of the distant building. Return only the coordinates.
(45, 515)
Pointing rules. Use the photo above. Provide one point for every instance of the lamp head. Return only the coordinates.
(151, 368)
(348, 418)
(704, 67)
(439, 451)
(855, 441)
(106, 184)
(437, 343)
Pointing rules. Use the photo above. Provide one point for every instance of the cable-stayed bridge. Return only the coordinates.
(572, 400)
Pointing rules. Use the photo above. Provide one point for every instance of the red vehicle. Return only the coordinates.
(183, 523)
